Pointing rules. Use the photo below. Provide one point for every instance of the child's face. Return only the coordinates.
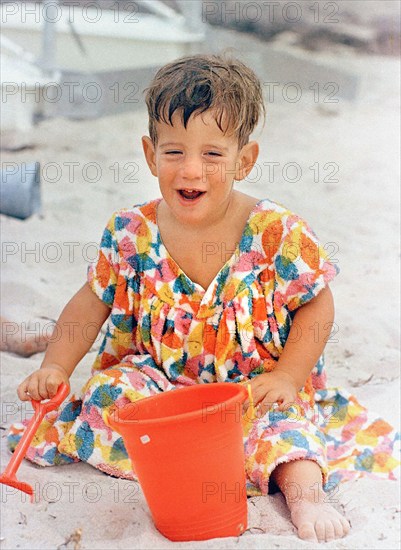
(201, 158)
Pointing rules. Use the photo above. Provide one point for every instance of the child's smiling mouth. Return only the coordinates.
(190, 194)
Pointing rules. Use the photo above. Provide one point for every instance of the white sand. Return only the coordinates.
(359, 214)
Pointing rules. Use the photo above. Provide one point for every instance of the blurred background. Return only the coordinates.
(84, 59)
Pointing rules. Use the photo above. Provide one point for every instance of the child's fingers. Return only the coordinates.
(267, 402)
(42, 386)
(22, 391)
(283, 405)
(52, 384)
(274, 397)
(259, 394)
(286, 402)
(36, 389)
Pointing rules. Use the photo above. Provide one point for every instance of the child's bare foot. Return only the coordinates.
(15, 340)
(317, 521)
(29, 347)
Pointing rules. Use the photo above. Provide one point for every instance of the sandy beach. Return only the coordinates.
(351, 202)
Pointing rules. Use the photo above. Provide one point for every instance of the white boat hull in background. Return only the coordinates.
(96, 67)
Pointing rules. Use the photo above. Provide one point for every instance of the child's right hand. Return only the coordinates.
(43, 383)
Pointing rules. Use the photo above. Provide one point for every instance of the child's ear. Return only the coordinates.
(247, 158)
(150, 154)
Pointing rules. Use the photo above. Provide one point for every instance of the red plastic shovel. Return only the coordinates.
(8, 477)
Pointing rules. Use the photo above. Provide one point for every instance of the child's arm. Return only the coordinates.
(75, 331)
(307, 338)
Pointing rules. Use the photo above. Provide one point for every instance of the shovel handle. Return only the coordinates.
(41, 408)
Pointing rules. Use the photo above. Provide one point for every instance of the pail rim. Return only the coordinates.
(183, 417)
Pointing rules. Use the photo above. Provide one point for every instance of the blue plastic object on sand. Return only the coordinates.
(20, 190)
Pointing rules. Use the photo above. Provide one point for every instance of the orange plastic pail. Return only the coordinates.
(187, 450)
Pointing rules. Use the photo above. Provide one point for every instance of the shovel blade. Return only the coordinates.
(17, 484)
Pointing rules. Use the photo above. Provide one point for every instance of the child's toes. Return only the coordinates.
(306, 531)
(330, 531)
(320, 528)
(338, 528)
(345, 525)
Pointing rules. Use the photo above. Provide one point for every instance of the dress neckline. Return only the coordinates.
(228, 264)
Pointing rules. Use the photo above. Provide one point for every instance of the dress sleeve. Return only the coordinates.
(302, 266)
(103, 272)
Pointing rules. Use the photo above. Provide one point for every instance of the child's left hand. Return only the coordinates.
(272, 387)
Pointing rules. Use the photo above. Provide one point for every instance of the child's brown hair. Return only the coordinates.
(201, 82)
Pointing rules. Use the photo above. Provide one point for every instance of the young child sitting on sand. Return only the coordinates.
(207, 284)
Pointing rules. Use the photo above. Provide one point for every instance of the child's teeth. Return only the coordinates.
(190, 193)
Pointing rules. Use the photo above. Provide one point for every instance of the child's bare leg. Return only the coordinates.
(301, 483)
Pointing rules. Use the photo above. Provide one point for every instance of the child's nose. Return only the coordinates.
(192, 169)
